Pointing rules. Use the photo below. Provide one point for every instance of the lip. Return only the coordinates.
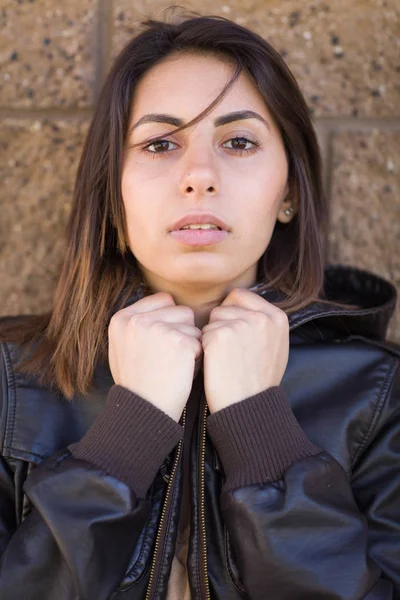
(199, 237)
(199, 219)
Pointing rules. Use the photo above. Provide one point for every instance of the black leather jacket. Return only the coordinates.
(330, 529)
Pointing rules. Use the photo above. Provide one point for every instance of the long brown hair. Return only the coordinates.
(99, 273)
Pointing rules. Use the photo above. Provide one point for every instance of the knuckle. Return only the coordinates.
(166, 296)
(281, 318)
(196, 345)
(187, 313)
(237, 324)
(223, 334)
(134, 320)
(214, 312)
(198, 334)
(114, 322)
(138, 320)
(178, 338)
(259, 318)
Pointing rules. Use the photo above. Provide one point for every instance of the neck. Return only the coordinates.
(201, 304)
(201, 298)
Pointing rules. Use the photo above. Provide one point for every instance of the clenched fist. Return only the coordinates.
(246, 348)
(153, 346)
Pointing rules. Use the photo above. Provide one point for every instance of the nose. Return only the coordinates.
(199, 177)
(197, 189)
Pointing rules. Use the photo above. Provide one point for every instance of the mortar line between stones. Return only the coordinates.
(46, 113)
(331, 124)
(321, 131)
(329, 182)
(323, 136)
(339, 124)
(103, 43)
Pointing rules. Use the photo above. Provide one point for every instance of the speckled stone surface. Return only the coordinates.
(344, 54)
(365, 210)
(47, 53)
(37, 174)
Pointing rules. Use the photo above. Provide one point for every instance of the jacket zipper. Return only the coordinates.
(204, 583)
(152, 585)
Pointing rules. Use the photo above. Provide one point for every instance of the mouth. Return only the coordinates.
(199, 222)
(205, 227)
(199, 229)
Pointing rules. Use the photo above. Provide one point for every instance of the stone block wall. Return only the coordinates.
(53, 60)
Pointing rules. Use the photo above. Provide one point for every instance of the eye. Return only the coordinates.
(160, 146)
(242, 144)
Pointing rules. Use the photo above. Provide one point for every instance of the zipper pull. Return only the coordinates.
(165, 469)
(217, 463)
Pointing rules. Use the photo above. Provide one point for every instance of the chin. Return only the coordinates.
(202, 279)
(203, 265)
(202, 271)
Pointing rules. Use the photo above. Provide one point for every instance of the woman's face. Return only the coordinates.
(231, 166)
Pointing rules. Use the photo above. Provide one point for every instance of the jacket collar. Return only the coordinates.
(374, 296)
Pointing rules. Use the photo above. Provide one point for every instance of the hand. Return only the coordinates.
(153, 346)
(246, 348)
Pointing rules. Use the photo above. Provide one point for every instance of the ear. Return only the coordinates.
(289, 206)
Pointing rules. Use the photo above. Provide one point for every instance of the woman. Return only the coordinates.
(206, 412)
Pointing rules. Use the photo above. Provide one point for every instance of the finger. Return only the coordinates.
(227, 313)
(244, 298)
(198, 348)
(169, 314)
(194, 335)
(173, 314)
(209, 331)
(217, 324)
(150, 303)
(189, 330)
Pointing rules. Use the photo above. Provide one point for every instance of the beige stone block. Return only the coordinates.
(37, 174)
(365, 209)
(344, 54)
(47, 53)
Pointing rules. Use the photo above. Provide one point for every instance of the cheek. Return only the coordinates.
(263, 200)
(257, 220)
(137, 207)
(136, 214)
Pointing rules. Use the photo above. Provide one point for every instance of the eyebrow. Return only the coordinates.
(239, 115)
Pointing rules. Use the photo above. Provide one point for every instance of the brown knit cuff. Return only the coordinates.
(130, 439)
(258, 439)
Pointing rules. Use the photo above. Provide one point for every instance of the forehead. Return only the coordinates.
(185, 84)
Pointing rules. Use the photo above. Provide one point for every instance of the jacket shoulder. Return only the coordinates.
(36, 421)
(386, 414)
(389, 348)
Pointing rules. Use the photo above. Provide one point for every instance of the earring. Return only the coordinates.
(289, 211)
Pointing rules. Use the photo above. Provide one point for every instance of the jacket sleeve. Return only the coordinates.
(89, 505)
(298, 526)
